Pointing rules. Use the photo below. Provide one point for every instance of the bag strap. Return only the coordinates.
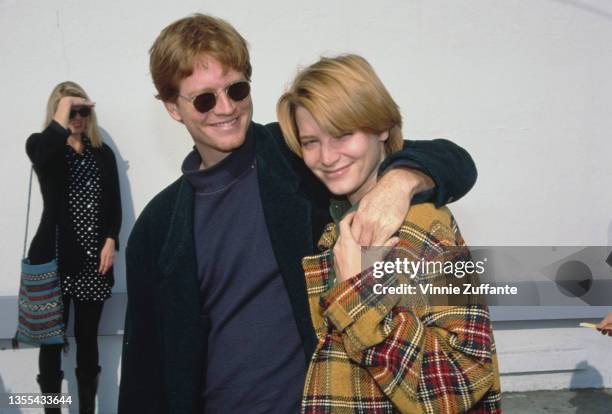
(25, 237)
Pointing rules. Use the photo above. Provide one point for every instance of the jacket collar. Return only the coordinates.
(288, 215)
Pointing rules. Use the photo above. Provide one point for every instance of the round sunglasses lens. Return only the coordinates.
(239, 90)
(205, 102)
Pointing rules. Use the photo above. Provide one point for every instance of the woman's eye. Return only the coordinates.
(307, 144)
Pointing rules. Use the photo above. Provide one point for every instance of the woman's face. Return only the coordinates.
(347, 165)
(78, 123)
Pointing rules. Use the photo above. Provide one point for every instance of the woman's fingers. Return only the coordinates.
(102, 267)
(107, 256)
(106, 262)
(391, 242)
(380, 252)
(389, 245)
(345, 228)
(345, 223)
(78, 101)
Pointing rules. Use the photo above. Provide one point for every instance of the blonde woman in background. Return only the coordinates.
(79, 226)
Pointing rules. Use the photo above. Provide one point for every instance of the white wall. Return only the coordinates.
(523, 85)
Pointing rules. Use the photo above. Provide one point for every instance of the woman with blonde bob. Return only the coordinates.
(79, 228)
(379, 352)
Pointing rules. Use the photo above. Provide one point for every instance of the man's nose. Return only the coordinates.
(224, 105)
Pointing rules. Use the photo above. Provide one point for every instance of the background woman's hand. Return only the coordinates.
(65, 105)
(348, 255)
(107, 256)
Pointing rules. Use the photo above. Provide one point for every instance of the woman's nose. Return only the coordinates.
(329, 155)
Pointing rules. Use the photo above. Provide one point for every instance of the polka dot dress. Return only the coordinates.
(84, 204)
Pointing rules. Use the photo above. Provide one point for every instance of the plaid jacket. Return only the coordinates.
(396, 353)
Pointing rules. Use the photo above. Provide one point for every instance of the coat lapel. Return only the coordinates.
(288, 218)
(181, 320)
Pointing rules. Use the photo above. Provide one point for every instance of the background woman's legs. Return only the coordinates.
(50, 364)
(86, 320)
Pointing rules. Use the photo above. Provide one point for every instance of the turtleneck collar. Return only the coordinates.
(223, 174)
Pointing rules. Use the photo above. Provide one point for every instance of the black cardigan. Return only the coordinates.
(47, 151)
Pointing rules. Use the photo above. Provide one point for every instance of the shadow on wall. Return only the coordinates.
(110, 361)
(595, 400)
(127, 207)
(582, 5)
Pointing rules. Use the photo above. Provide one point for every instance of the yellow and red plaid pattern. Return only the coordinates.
(397, 353)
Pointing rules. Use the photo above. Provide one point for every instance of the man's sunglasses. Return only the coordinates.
(84, 112)
(206, 101)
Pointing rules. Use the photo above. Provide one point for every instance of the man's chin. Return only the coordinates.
(230, 144)
(234, 146)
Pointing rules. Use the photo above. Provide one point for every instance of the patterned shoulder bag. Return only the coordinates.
(40, 303)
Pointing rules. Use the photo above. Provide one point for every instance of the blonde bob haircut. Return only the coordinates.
(69, 88)
(184, 43)
(344, 95)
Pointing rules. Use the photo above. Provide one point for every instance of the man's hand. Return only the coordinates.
(383, 210)
(107, 256)
(347, 252)
(605, 326)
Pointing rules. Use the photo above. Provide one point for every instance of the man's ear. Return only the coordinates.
(383, 136)
(172, 109)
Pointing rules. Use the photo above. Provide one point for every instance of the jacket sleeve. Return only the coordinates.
(141, 386)
(425, 358)
(113, 193)
(450, 167)
(45, 146)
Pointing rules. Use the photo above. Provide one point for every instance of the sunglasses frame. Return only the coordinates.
(73, 112)
(216, 95)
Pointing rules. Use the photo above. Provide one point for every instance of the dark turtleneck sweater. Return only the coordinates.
(255, 361)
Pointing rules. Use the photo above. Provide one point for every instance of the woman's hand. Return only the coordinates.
(65, 105)
(348, 255)
(107, 256)
(605, 326)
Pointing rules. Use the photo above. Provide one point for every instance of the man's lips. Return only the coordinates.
(225, 124)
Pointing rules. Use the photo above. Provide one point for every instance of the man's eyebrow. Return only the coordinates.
(213, 90)
(200, 91)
